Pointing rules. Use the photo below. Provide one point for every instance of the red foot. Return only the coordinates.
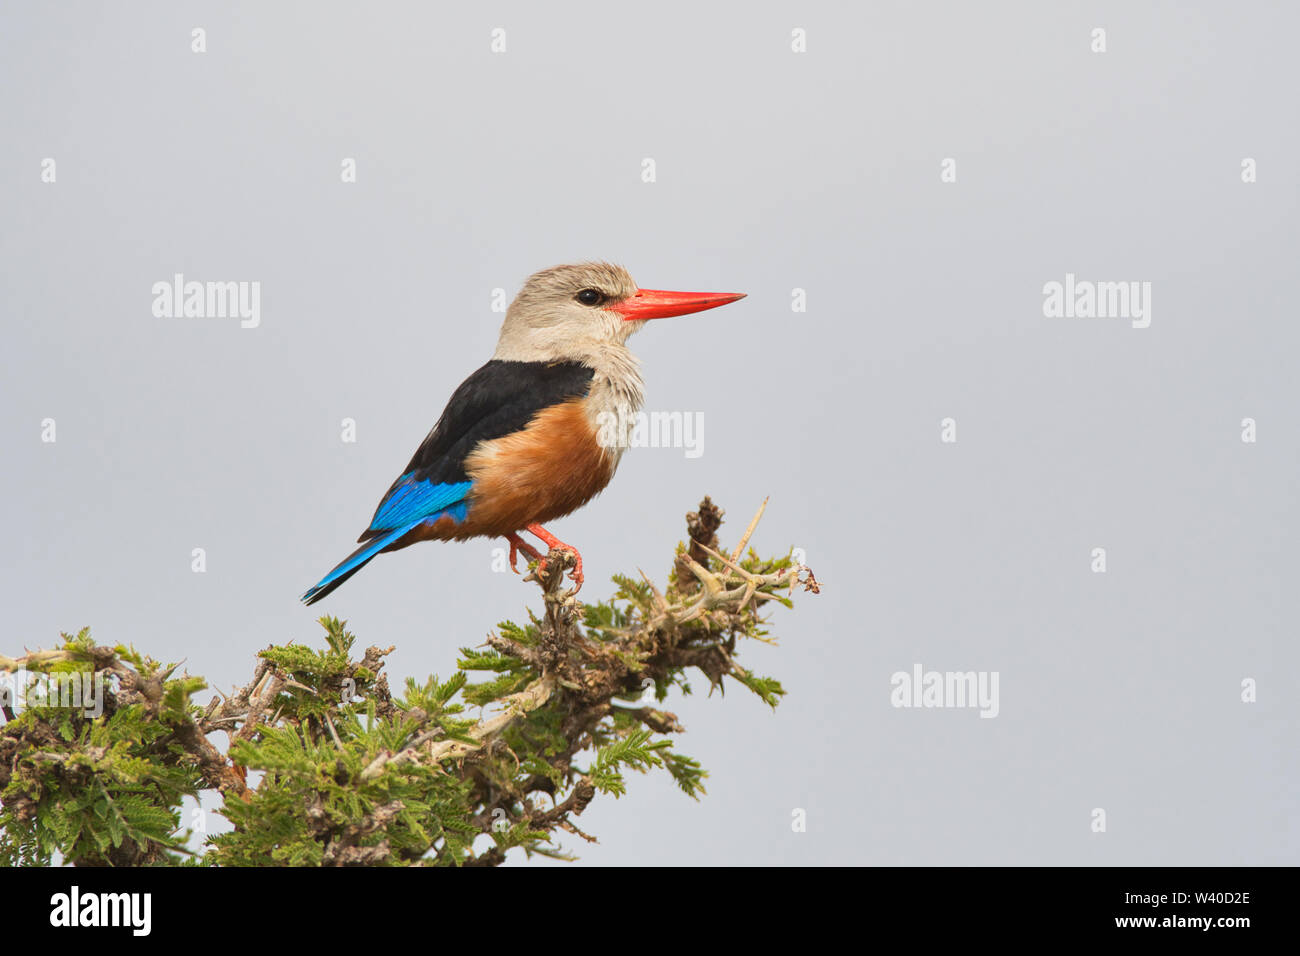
(554, 542)
(518, 544)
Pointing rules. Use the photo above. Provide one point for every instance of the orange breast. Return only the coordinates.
(550, 468)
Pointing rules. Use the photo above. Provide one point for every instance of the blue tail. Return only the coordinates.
(353, 563)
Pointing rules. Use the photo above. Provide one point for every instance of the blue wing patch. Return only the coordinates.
(412, 501)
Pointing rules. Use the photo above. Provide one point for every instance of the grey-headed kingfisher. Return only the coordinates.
(525, 439)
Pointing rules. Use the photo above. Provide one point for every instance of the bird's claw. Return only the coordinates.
(518, 544)
(555, 544)
(575, 573)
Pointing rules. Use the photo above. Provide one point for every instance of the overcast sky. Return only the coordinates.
(921, 171)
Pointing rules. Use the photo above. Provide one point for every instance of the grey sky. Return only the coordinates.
(775, 170)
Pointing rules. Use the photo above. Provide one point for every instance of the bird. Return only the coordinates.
(537, 431)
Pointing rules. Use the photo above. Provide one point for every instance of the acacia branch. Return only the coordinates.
(583, 693)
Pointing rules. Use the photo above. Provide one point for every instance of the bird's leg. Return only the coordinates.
(553, 542)
(518, 544)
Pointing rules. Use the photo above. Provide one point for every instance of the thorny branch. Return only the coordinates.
(693, 623)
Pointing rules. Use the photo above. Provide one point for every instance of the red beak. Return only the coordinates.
(658, 304)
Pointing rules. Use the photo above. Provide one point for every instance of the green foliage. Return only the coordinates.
(633, 750)
(326, 767)
(97, 789)
(316, 798)
(687, 772)
(768, 689)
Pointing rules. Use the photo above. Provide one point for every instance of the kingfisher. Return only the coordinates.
(535, 433)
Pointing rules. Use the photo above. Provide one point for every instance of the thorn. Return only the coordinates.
(661, 603)
(703, 575)
(729, 562)
(744, 539)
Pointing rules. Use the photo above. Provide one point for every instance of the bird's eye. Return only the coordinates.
(590, 297)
